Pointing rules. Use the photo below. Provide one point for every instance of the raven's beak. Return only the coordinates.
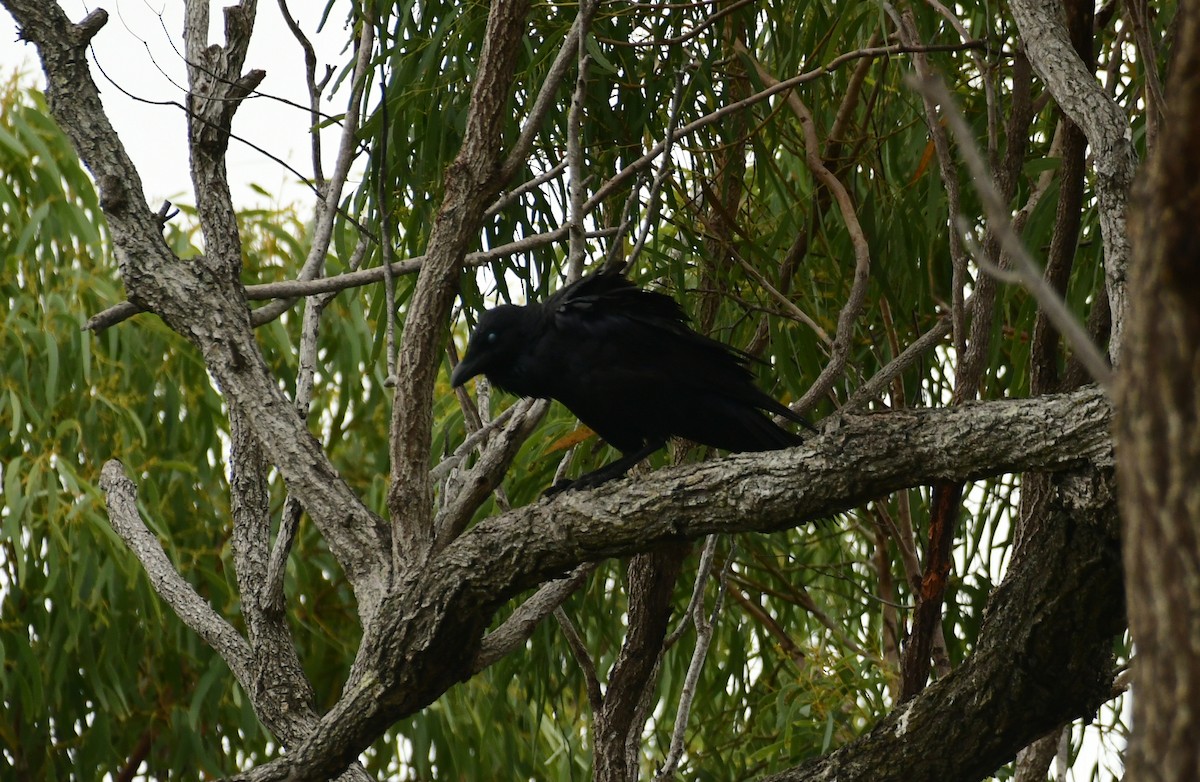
(462, 373)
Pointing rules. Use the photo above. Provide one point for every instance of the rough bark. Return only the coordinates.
(1076, 90)
(471, 181)
(1159, 456)
(622, 716)
(202, 299)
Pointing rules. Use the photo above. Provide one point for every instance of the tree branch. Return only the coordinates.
(202, 299)
(293, 289)
(1022, 680)
(471, 181)
(1083, 100)
(123, 515)
(519, 626)
(851, 310)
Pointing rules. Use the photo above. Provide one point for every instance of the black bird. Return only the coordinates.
(624, 361)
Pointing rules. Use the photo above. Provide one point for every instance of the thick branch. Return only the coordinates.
(471, 181)
(1022, 680)
(202, 299)
(1159, 425)
(280, 692)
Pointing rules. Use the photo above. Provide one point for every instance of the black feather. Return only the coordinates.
(625, 362)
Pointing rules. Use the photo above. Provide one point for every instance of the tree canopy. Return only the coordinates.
(250, 531)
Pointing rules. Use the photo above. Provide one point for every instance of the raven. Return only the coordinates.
(625, 362)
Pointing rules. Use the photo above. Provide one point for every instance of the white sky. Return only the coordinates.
(137, 51)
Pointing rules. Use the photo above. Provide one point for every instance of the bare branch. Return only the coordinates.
(652, 154)
(1107, 129)
(171, 587)
(471, 182)
(862, 252)
(948, 171)
(468, 491)
(295, 289)
(568, 54)
(519, 626)
(580, 653)
(648, 220)
(330, 193)
(281, 692)
(512, 195)
(871, 390)
(576, 179)
(865, 457)
(696, 602)
(202, 299)
(704, 635)
(314, 91)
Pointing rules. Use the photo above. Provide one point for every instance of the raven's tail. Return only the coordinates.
(740, 427)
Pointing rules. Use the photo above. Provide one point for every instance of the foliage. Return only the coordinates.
(805, 652)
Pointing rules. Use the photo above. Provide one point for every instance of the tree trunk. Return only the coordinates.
(1159, 443)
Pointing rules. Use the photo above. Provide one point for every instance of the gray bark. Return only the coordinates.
(1022, 680)
(1048, 46)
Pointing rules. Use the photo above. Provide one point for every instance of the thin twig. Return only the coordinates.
(862, 253)
(575, 182)
(314, 92)
(651, 215)
(548, 93)
(452, 461)
(295, 289)
(512, 195)
(788, 305)
(580, 653)
(615, 259)
(330, 194)
(948, 171)
(272, 590)
(704, 636)
(465, 492)
(385, 222)
(703, 25)
(703, 572)
(289, 521)
(732, 108)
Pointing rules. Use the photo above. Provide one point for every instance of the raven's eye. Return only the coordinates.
(491, 337)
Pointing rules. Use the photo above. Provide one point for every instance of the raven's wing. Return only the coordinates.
(634, 371)
(608, 293)
(608, 305)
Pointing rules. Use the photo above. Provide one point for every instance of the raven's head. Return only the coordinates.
(495, 345)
